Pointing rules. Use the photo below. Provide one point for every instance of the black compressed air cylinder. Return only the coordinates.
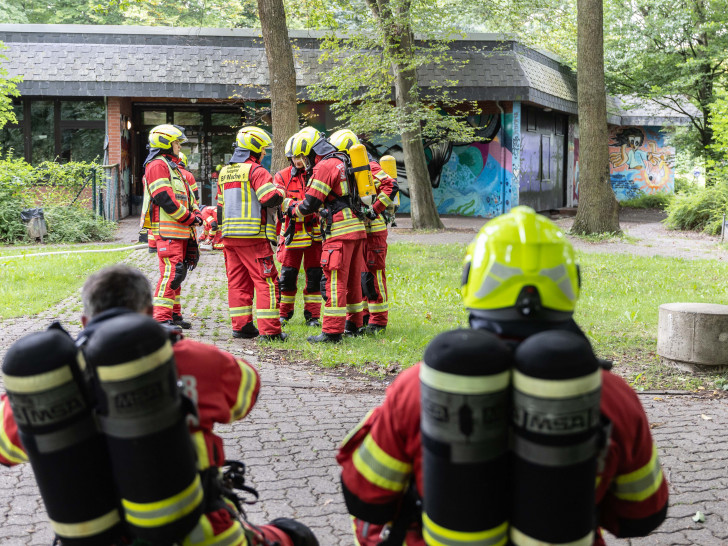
(465, 383)
(50, 405)
(556, 395)
(140, 412)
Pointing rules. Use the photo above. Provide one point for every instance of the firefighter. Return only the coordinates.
(508, 294)
(373, 277)
(245, 190)
(223, 389)
(304, 245)
(211, 238)
(344, 232)
(170, 210)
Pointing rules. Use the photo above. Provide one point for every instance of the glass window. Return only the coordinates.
(86, 110)
(226, 119)
(42, 135)
(187, 118)
(82, 145)
(154, 117)
(11, 137)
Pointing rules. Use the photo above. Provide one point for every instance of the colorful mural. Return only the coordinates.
(473, 179)
(640, 162)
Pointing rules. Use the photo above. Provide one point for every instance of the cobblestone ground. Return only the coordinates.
(289, 440)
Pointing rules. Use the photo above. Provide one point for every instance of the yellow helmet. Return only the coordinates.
(304, 141)
(162, 136)
(253, 139)
(343, 139)
(182, 159)
(289, 146)
(520, 265)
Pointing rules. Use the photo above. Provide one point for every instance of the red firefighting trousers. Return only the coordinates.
(342, 262)
(250, 268)
(311, 257)
(171, 255)
(374, 280)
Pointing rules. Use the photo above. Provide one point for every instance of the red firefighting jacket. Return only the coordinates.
(308, 229)
(172, 207)
(387, 189)
(383, 454)
(190, 179)
(326, 188)
(244, 190)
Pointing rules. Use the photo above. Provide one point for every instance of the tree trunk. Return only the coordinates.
(598, 211)
(422, 203)
(281, 77)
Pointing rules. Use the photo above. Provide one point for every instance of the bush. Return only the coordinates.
(649, 201)
(685, 184)
(15, 178)
(76, 224)
(701, 210)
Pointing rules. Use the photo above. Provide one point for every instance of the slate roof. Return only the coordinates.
(86, 60)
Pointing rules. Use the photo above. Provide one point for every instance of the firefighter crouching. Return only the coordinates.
(520, 283)
(300, 241)
(170, 211)
(344, 233)
(220, 387)
(211, 238)
(245, 191)
(373, 277)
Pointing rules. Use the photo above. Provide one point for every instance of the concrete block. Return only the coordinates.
(693, 336)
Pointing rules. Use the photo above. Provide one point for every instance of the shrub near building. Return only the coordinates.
(62, 190)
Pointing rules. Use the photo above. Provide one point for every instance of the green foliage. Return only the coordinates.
(76, 225)
(8, 89)
(15, 177)
(719, 123)
(659, 200)
(700, 210)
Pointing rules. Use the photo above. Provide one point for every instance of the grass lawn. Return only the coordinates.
(618, 310)
(32, 284)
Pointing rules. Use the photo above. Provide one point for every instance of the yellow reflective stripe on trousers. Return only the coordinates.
(522, 539)
(241, 311)
(378, 307)
(8, 450)
(135, 368)
(312, 298)
(380, 468)
(642, 483)
(202, 535)
(355, 307)
(156, 514)
(286, 298)
(87, 528)
(267, 313)
(436, 535)
(244, 400)
(39, 382)
(334, 311)
(333, 288)
(167, 303)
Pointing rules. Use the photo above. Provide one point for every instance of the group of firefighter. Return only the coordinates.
(510, 431)
(328, 211)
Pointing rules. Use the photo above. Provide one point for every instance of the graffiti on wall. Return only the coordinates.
(468, 179)
(640, 162)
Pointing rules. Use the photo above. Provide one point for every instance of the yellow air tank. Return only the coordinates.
(389, 166)
(362, 173)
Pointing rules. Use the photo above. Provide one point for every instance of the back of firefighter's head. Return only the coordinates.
(116, 286)
(520, 266)
(343, 139)
(304, 143)
(163, 137)
(253, 139)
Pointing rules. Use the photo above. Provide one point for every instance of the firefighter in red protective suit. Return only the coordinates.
(344, 232)
(245, 190)
(211, 238)
(223, 389)
(509, 294)
(170, 210)
(373, 277)
(302, 245)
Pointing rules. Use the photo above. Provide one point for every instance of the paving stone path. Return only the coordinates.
(289, 440)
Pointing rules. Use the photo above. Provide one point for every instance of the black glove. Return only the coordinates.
(213, 226)
(370, 213)
(289, 233)
(289, 211)
(198, 219)
(192, 255)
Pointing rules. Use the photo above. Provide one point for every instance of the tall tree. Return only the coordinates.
(673, 54)
(281, 76)
(598, 211)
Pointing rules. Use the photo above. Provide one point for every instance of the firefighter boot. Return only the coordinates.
(181, 322)
(323, 337)
(273, 337)
(311, 320)
(300, 534)
(249, 331)
(374, 329)
(350, 329)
